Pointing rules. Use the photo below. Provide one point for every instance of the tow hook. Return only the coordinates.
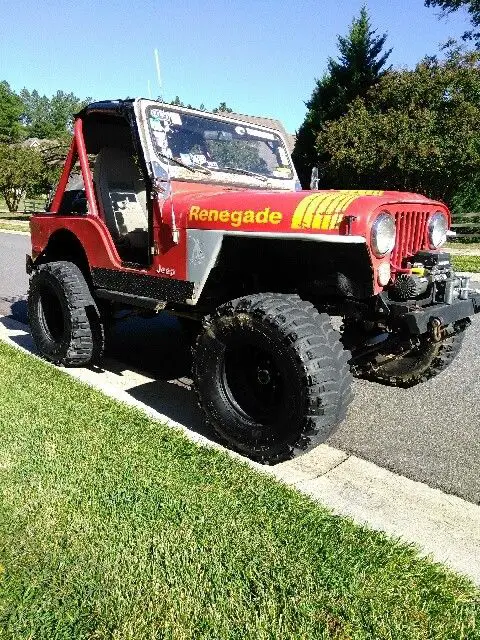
(436, 333)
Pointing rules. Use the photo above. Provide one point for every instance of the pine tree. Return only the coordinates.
(222, 108)
(177, 102)
(360, 65)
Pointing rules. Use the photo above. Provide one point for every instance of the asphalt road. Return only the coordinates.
(429, 433)
(13, 279)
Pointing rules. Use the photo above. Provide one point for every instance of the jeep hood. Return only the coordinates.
(326, 212)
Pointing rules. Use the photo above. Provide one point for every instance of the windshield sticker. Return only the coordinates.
(198, 158)
(281, 172)
(186, 158)
(257, 133)
(283, 156)
(160, 119)
(161, 140)
(175, 118)
(235, 218)
(321, 211)
(157, 120)
(157, 125)
(240, 130)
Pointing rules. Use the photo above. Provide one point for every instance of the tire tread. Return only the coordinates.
(324, 361)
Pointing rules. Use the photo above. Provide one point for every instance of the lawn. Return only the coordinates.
(14, 221)
(466, 263)
(468, 246)
(14, 226)
(37, 203)
(6, 215)
(115, 526)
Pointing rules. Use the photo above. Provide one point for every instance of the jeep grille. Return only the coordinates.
(411, 235)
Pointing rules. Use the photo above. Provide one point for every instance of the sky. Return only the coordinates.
(261, 57)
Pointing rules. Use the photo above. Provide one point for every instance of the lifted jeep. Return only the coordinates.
(163, 208)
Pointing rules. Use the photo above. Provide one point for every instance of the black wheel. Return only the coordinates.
(64, 319)
(272, 376)
(416, 364)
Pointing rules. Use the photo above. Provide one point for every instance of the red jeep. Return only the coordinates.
(201, 215)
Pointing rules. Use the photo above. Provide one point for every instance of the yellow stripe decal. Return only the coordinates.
(299, 213)
(326, 221)
(322, 210)
(335, 218)
(311, 212)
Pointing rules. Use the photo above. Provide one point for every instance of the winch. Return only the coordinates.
(431, 278)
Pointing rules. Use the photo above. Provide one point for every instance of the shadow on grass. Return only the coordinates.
(9, 217)
(155, 348)
(158, 348)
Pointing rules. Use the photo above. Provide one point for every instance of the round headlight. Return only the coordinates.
(437, 230)
(383, 234)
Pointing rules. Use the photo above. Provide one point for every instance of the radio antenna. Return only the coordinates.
(159, 77)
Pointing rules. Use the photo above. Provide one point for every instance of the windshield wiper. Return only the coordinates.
(244, 172)
(193, 167)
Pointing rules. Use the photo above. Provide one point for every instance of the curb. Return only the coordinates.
(443, 526)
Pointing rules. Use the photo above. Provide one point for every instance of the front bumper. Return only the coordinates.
(420, 320)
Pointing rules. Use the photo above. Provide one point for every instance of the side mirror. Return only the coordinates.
(160, 180)
(162, 188)
(314, 179)
(49, 197)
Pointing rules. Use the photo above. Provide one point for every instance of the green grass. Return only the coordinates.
(462, 245)
(14, 216)
(14, 221)
(114, 526)
(38, 203)
(14, 226)
(466, 263)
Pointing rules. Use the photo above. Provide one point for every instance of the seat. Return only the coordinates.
(122, 199)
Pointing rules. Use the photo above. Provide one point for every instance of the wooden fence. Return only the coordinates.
(27, 206)
(466, 229)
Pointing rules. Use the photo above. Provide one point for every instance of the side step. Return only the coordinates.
(132, 300)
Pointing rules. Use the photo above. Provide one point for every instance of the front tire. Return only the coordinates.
(64, 320)
(271, 375)
(416, 365)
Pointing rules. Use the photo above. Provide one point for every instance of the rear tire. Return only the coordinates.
(271, 375)
(64, 319)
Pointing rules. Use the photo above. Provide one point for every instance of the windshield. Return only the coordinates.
(209, 146)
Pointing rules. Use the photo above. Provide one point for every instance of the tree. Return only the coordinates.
(177, 102)
(50, 118)
(473, 8)
(22, 173)
(416, 130)
(467, 197)
(11, 109)
(222, 108)
(360, 65)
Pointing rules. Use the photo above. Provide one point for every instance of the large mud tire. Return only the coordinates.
(64, 320)
(418, 365)
(271, 375)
